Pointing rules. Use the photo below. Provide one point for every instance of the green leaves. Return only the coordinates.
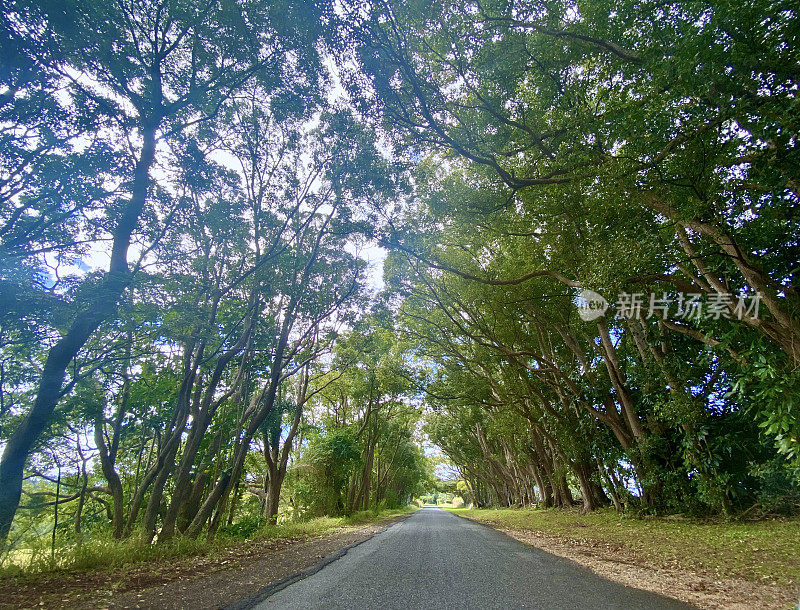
(595, 147)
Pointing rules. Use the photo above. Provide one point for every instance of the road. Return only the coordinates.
(437, 560)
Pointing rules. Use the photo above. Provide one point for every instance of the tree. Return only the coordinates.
(152, 69)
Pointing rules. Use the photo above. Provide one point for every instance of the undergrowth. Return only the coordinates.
(102, 552)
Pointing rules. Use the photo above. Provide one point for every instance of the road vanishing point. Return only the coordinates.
(435, 559)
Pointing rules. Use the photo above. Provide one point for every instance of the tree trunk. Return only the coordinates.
(190, 507)
(97, 308)
(234, 502)
(202, 420)
(274, 484)
(154, 503)
(612, 490)
(593, 498)
(81, 500)
(110, 474)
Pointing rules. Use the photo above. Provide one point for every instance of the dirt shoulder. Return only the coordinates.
(700, 587)
(198, 582)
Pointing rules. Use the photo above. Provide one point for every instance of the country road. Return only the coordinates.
(436, 559)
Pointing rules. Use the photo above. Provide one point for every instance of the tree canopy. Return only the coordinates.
(588, 213)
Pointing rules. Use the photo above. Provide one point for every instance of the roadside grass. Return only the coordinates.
(762, 551)
(103, 553)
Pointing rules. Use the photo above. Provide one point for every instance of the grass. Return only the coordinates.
(761, 551)
(107, 554)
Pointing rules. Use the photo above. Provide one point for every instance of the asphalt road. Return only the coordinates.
(437, 560)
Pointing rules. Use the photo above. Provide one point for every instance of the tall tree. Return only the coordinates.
(152, 69)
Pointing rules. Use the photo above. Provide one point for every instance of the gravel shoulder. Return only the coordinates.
(615, 563)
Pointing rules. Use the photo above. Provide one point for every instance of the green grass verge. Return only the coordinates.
(107, 554)
(763, 551)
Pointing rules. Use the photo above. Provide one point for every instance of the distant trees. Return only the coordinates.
(364, 452)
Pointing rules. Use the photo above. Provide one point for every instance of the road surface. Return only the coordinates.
(435, 559)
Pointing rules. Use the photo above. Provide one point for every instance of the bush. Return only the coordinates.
(779, 489)
(244, 528)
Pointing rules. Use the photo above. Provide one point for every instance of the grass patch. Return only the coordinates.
(367, 516)
(106, 554)
(322, 525)
(763, 551)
